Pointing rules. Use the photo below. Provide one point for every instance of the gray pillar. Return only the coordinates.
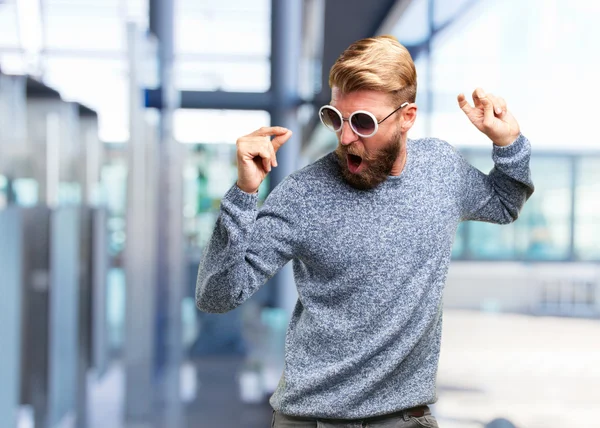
(171, 256)
(140, 300)
(286, 51)
(11, 258)
(429, 72)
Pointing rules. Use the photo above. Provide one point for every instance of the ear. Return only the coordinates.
(409, 115)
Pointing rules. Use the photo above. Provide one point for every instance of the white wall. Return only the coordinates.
(519, 287)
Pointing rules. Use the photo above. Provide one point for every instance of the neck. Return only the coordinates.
(401, 159)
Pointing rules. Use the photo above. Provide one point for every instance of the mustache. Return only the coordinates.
(385, 153)
(350, 150)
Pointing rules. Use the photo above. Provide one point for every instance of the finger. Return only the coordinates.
(258, 153)
(488, 108)
(281, 139)
(464, 104)
(249, 147)
(265, 154)
(273, 157)
(495, 103)
(267, 131)
(502, 104)
(476, 99)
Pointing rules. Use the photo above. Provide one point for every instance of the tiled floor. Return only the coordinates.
(218, 403)
(535, 372)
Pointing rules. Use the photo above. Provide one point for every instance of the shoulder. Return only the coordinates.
(431, 146)
(297, 183)
(434, 151)
(321, 173)
(320, 168)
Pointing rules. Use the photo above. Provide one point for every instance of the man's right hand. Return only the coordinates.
(256, 155)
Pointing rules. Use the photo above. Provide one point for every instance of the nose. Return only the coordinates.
(347, 135)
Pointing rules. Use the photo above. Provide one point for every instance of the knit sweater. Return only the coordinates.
(369, 268)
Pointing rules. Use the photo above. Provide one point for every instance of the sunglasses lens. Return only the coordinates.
(331, 119)
(363, 124)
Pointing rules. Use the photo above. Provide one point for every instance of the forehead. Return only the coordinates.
(359, 100)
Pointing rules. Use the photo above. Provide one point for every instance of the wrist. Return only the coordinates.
(246, 189)
(507, 141)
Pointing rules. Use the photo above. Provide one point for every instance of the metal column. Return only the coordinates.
(171, 255)
(11, 259)
(139, 262)
(286, 50)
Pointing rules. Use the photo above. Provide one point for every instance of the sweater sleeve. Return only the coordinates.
(499, 196)
(248, 246)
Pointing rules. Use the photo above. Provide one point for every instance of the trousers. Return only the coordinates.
(396, 420)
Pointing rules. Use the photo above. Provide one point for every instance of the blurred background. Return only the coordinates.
(118, 122)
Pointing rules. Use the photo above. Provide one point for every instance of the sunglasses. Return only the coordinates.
(362, 122)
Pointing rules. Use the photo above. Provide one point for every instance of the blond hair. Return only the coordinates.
(376, 63)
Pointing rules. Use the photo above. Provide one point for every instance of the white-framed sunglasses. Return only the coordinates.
(362, 122)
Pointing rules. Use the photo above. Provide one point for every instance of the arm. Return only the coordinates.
(499, 196)
(248, 246)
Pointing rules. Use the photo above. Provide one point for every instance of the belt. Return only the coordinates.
(415, 412)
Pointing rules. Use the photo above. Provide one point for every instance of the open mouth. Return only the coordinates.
(354, 163)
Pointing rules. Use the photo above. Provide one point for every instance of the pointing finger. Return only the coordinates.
(281, 139)
(267, 131)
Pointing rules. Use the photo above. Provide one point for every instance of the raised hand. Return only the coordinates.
(256, 155)
(491, 117)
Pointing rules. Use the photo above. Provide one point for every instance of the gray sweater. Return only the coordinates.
(369, 267)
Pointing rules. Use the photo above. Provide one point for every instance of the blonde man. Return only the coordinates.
(369, 228)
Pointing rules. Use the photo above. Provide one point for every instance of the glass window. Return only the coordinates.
(91, 26)
(235, 74)
(445, 11)
(210, 168)
(108, 95)
(458, 250)
(3, 192)
(587, 209)
(232, 27)
(422, 125)
(216, 126)
(543, 229)
(209, 173)
(413, 26)
(9, 36)
(13, 62)
(114, 186)
(223, 45)
(487, 240)
(243, 32)
(26, 191)
(509, 48)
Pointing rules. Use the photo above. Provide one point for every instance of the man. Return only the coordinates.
(369, 229)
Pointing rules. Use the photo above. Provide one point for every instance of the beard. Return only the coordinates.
(376, 166)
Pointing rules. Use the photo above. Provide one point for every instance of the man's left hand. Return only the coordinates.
(491, 117)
